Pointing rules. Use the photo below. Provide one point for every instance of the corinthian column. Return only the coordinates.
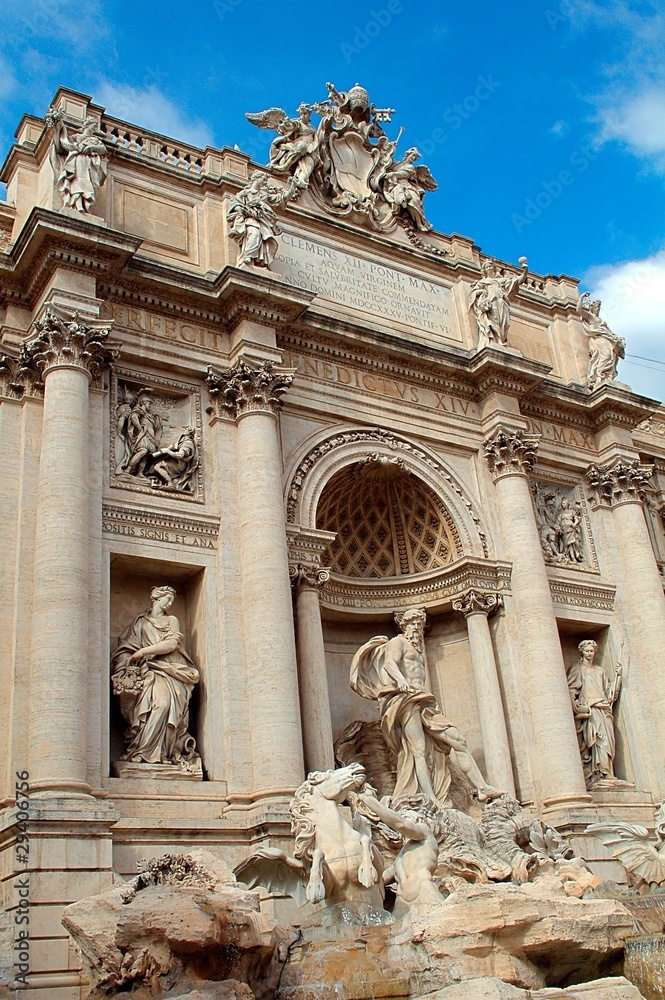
(476, 608)
(558, 768)
(252, 396)
(622, 487)
(312, 671)
(67, 355)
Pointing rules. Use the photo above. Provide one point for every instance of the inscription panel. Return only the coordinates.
(155, 526)
(389, 294)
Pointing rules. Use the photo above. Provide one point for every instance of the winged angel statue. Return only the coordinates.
(631, 845)
(348, 162)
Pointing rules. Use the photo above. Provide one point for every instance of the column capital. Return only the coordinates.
(308, 576)
(246, 388)
(510, 452)
(16, 381)
(66, 343)
(621, 481)
(474, 602)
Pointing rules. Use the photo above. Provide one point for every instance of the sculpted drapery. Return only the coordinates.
(154, 678)
(593, 696)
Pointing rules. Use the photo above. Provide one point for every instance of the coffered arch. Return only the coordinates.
(425, 479)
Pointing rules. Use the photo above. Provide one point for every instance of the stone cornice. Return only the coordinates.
(494, 370)
(477, 602)
(244, 388)
(51, 240)
(437, 588)
(618, 482)
(511, 453)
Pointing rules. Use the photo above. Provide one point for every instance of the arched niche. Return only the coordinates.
(429, 567)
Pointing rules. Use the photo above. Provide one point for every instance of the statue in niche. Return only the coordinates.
(559, 521)
(253, 222)
(154, 678)
(404, 185)
(393, 672)
(605, 347)
(140, 455)
(490, 301)
(594, 693)
(85, 165)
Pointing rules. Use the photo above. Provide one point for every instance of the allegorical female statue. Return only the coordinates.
(490, 301)
(605, 347)
(593, 694)
(154, 678)
(85, 165)
(253, 222)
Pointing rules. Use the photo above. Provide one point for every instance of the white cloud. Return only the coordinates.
(639, 122)
(151, 109)
(633, 304)
(559, 128)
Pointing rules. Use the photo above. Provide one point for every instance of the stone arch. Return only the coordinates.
(340, 448)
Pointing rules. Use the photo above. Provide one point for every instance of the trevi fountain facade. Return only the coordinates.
(333, 556)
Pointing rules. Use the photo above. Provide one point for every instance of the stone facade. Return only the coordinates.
(275, 394)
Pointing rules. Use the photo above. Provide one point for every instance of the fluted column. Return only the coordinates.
(251, 395)
(557, 763)
(476, 608)
(622, 487)
(66, 354)
(312, 670)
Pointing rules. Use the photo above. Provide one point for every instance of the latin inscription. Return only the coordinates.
(379, 384)
(157, 535)
(387, 293)
(142, 321)
(563, 435)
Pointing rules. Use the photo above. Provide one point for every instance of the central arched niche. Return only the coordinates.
(389, 523)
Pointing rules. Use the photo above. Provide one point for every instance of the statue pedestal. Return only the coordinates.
(170, 772)
(96, 220)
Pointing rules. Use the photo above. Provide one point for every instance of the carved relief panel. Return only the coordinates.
(563, 525)
(156, 436)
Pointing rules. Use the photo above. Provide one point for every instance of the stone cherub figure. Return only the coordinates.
(295, 150)
(605, 347)
(490, 301)
(154, 678)
(253, 223)
(393, 672)
(594, 693)
(85, 165)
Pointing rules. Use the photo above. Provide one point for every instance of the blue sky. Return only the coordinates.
(543, 122)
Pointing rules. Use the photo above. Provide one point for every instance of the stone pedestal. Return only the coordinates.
(476, 607)
(556, 757)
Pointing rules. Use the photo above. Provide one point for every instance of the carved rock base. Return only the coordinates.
(170, 772)
(614, 988)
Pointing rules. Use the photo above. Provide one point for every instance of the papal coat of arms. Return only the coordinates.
(347, 161)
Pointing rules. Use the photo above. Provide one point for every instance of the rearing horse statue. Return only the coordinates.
(335, 860)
